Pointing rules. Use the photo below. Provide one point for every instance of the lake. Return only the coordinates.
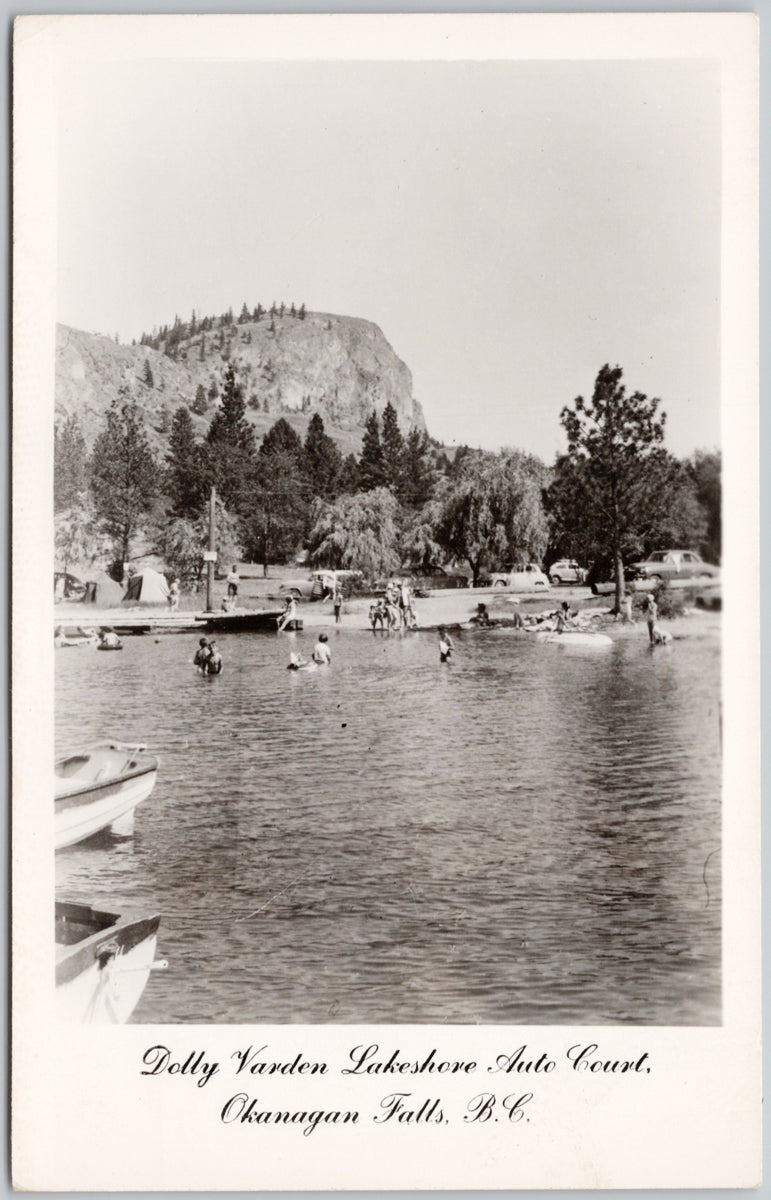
(525, 835)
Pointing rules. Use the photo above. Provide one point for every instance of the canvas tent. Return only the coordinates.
(147, 587)
(103, 591)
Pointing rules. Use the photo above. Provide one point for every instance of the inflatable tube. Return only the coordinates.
(577, 638)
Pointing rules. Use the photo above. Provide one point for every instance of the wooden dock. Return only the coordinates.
(133, 622)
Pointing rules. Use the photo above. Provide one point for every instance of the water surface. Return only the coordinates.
(524, 835)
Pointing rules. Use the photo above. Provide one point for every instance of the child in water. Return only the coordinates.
(445, 644)
(321, 651)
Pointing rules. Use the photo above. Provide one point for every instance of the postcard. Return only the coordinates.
(386, 603)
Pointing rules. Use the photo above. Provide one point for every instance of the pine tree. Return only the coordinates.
(301, 313)
(371, 463)
(418, 476)
(185, 481)
(124, 476)
(147, 375)
(230, 448)
(244, 314)
(200, 404)
(70, 464)
(392, 443)
(202, 355)
(323, 461)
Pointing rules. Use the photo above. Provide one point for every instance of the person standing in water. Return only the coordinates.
(651, 615)
(446, 646)
(337, 602)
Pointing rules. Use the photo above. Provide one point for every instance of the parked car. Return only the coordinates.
(318, 585)
(523, 577)
(601, 577)
(667, 565)
(437, 577)
(566, 570)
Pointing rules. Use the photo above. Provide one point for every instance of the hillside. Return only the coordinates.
(340, 367)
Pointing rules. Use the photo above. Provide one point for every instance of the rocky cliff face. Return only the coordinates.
(340, 367)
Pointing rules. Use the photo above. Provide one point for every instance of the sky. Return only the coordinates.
(510, 226)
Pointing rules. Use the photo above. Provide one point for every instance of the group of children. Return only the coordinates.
(396, 609)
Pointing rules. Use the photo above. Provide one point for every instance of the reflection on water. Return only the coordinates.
(524, 835)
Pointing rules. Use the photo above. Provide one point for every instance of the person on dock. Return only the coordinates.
(289, 614)
(446, 646)
(233, 581)
(321, 652)
(337, 602)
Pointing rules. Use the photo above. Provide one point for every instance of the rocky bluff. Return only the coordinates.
(341, 367)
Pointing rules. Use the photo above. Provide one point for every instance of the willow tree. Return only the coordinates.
(615, 484)
(491, 511)
(357, 532)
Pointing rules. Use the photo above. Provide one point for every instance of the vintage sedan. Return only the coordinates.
(318, 585)
(671, 565)
(523, 577)
(566, 570)
(437, 577)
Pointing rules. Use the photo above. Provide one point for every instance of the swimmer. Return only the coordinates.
(321, 652)
(202, 655)
(446, 646)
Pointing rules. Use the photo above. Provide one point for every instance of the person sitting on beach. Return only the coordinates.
(446, 646)
(321, 651)
(482, 616)
(565, 619)
(289, 613)
(202, 655)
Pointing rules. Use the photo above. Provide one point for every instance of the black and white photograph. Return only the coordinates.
(387, 447)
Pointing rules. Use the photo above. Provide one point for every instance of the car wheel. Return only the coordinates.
(499, 583)
(556, 580)
(655, 579)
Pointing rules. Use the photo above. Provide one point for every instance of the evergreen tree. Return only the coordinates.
(616, 479)
(202, 355)
(147, 375)
(705, 468)
(301, 313)
(70, 465)
(185, 477)
(323, 461)
(200, 404)
(244, 314)
(281, 437)
(230, 443)
(124, 476)
(418, 476)
(392, 444)
(371, 462)
(348, 480)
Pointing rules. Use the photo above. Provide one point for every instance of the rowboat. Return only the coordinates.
(98, 787)
(103, 961)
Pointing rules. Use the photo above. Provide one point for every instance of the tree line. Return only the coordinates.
(169, 337)
(615, 492)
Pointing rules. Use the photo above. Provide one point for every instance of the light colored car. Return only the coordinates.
(316, 586)
(674, 565)
(524, 577)
(566, 570)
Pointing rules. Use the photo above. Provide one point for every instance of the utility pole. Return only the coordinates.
(212, 553)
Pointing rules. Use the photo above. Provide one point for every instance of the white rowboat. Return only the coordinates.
(98, 787)
(103, 961)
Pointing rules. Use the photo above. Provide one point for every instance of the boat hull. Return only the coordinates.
(85, 806)
(103, 961)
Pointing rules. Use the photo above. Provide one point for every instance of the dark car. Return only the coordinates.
(437, 577)
(602, 575)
